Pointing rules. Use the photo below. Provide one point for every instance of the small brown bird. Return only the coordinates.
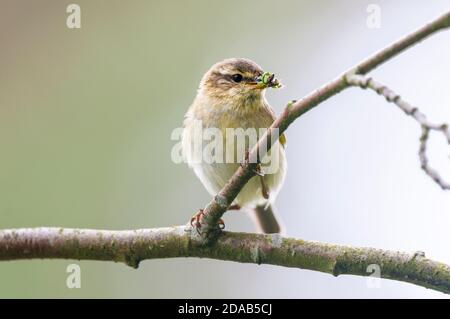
(231, 96)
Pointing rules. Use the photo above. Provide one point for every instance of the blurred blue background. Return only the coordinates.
(86, 116)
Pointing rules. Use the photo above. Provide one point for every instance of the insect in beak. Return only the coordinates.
(266, 80)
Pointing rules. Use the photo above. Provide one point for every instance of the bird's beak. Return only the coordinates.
(266, 80)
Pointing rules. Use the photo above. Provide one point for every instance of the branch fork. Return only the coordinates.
(133, 246)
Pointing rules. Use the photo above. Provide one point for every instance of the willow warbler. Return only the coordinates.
(231, 95)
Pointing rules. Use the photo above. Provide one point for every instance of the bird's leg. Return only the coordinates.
(246, 159)
(264, 187)
(196, 221)
(234, 207)
(257, 171)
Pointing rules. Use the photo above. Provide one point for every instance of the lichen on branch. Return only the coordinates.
(133, 246)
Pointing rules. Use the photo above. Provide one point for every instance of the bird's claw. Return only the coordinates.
(196, 221)
(258, 170)
(246, 159)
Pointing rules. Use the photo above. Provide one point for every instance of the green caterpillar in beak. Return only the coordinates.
(268, 79)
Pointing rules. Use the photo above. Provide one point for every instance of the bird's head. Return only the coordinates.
(237, 79)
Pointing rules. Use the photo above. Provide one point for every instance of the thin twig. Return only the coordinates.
(182, 241)
(219, 204)
(427, 126)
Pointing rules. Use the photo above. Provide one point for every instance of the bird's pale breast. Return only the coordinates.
(214, 175)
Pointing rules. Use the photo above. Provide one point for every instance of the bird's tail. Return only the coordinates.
(266, 219)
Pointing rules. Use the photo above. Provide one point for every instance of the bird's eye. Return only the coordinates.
(237, 78)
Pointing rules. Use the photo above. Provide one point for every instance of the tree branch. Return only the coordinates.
(219, 204)
(427, 126)
(133, 246)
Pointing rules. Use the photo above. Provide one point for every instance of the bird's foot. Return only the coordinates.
(246, 159)
(196, 221)
(258, 170)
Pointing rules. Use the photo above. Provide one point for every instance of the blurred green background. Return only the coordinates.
(86, 116)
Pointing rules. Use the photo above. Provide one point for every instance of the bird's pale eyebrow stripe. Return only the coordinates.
(218, 75)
